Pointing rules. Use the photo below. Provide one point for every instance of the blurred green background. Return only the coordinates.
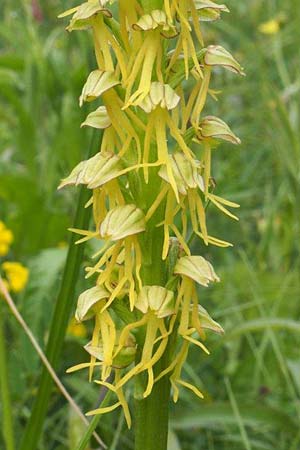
(252, 377)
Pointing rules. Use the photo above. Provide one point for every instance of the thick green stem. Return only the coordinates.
(152, 415)
(152, 412)
(151, 5)
(7, 419)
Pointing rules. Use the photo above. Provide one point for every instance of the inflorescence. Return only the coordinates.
(150, 179)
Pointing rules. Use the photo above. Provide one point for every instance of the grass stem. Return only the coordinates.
(7, 416)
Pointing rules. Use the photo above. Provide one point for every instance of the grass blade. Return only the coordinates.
(262, 324)
(93, 424)
(217, 415)
(237, 415)
(7, 419)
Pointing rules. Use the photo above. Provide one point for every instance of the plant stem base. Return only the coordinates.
(152, 417)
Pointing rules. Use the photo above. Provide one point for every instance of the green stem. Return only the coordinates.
(152, 414)
(151, 5)
(63, 308)
(7, 418)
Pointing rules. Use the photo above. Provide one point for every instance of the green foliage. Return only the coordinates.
(41, 76)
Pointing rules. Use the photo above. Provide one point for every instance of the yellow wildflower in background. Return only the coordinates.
(272, 26)
(76, 329)
(6, 238)
(16, 275)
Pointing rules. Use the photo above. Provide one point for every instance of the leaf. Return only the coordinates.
(263, 324)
